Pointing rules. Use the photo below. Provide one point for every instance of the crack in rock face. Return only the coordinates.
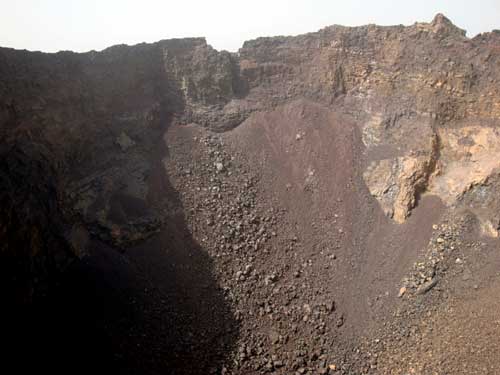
(398, 181)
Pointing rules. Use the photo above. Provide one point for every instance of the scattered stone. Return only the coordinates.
(219, 166)
(427, 286)
(323, 370)
(124, 141)
(402, 291)
(278, 364)
(340, 321)
(272, 278)
(274, 337)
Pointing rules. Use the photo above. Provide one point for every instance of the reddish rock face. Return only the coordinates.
(346, 124)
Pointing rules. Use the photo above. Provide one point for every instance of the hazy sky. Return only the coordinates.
(82, 25)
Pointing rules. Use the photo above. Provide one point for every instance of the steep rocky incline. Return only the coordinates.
(315, 197)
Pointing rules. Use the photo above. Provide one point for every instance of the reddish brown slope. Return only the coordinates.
(329, 245)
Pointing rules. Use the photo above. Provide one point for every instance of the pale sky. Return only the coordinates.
(83, 25)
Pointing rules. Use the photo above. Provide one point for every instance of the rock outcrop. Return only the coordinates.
(412, 112)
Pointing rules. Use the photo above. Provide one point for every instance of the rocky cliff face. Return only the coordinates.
(82, 134)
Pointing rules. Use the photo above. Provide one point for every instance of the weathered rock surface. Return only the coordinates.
(310, 170)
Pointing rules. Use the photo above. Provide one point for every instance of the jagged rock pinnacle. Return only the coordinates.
(442, 24)
(441, 19)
